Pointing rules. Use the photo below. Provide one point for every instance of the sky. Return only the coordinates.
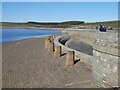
(60, 0)
(59, 11)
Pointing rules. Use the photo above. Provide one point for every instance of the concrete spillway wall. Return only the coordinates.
(105, 60)
(78, 55)
(86, 35)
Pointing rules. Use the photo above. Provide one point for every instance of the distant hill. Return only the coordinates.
(42, 24)
(67, 24)
(56, 24)
(112, 24)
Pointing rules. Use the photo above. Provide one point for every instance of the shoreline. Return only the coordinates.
(46, 28)
(22, 36)
(59, 29)
(23, 40)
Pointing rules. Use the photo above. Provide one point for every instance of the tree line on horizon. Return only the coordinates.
(66, 24)
(56, 24)
(44, 24)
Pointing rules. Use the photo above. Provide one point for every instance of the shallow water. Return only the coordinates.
(11, 35)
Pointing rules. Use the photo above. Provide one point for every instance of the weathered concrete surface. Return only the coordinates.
(81, 46)
(106, 59)
(83, 35)
(78, 55)
(26, 64)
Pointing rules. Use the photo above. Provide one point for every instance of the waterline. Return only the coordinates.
(11, 35)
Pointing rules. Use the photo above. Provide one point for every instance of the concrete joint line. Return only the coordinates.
(106, 52)
(77, 83)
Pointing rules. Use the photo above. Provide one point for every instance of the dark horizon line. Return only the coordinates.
(57, 21)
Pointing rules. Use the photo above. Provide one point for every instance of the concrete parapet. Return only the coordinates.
(78, 55)
(106, 59)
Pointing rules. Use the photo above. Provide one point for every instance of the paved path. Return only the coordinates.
(26, 64)
(81, 46)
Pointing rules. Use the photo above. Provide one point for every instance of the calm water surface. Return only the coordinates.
(11, 35)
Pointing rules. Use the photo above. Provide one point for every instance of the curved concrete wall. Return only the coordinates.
(78, 55)
(84, 35)
(105, 62)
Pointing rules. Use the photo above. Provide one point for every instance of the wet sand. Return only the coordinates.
(26, 64)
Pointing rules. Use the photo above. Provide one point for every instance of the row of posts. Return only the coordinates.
(50, 46)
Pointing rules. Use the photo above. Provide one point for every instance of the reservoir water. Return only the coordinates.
(11, 35)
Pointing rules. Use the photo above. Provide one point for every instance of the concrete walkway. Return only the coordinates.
(26, 64)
